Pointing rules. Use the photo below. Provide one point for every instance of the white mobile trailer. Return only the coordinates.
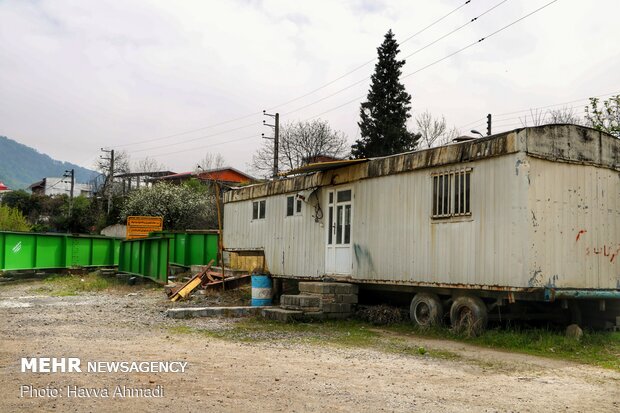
(531, 214)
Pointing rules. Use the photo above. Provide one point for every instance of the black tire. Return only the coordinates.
(468, 315)
(426, 310)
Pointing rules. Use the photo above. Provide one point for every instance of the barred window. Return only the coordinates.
(451, 194)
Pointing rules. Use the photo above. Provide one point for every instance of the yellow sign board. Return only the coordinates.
(140, 227)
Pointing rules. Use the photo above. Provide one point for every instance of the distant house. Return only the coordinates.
(134, 180)
(3, 189)
(59, 186)
(226, 176)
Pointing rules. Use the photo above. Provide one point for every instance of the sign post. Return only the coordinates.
(140, 227)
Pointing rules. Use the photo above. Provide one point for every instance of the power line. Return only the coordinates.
(191, 131)
(369, 61)
(349, 86)
(205, 146)
(409, 74)
(443, 58)
(409, 55)
(584, 99)
(299, 97)
(195, 139)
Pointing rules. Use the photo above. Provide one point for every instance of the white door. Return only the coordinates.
(339, 213)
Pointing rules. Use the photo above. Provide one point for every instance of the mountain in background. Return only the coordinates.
(21, 166)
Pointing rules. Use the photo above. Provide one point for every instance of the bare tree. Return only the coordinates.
(537, 118)
(430, 128)
(300, 142)
(149, 165)
(434, 131)
(563, 115)
(210, 161)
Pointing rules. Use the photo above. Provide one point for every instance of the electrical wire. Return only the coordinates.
(445, 57)
(194, 139)
(405, 57)
(299, 97)
(498, 117)
(405, 76)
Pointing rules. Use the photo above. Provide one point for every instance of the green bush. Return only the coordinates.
(11, 219)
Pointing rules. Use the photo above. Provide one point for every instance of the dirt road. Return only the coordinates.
(264, 376)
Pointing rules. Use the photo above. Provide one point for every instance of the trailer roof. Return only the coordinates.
(559, 143)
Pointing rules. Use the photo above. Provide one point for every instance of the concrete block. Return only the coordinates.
(347, 298)
(339, 298)
(337, 308)
(301, 301)
(316, 287)
(230, 312)
(282, 315)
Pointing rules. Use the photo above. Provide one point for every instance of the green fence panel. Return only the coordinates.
(31, 251)
(192, 247)
(49, 251)
(145, 257)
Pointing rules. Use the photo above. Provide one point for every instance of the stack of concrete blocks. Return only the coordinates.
(316, 301)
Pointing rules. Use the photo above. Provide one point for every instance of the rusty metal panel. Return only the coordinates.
(545, 213)
(292, 245)
(575, 239)
(396, 238)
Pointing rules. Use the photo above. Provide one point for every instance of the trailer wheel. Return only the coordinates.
(426, 310)
(468, 315)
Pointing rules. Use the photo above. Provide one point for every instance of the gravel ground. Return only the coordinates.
(274, 375)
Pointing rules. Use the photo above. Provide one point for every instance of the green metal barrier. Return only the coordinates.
(191, 247)
(31, 251)
(145, 257)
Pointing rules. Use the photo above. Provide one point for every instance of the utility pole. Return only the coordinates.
(70, 174)
(110, 179)
(276, 139)
(489, 124)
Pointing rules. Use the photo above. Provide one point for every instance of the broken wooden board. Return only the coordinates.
(186, 289)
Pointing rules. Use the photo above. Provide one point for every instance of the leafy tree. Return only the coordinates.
(76, 217)
(18, 199)
(605, 118)
(11, 219)
(299, 142)
(181, 206)
(383, 117)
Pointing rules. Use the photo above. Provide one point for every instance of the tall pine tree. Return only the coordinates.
(383, 123)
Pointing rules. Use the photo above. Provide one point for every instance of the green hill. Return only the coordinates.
(20, 165)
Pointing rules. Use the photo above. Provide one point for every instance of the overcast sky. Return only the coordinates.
(76, 76)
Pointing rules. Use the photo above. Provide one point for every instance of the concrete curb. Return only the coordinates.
(232, 312)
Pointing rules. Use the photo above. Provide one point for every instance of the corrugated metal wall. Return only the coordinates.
(292, 245)
(575, 238)
(396, 239)
(526, 215)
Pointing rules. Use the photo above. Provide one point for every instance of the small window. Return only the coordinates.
(344, 196)
(258, 209)
(451, 194)
(293, 206)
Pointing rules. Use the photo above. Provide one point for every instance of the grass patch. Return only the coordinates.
(596, 348)
(337, 333)
(57, 285)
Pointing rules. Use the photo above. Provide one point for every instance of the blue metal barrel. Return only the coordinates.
(261, 290)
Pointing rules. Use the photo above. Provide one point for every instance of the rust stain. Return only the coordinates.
(583, 231)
